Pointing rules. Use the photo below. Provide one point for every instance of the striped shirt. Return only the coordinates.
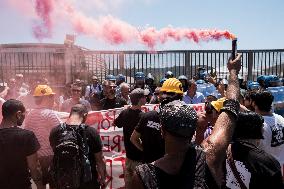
(41, 121)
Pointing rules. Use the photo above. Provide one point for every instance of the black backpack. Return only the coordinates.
(71, 166)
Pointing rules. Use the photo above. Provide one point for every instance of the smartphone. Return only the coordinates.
(234, 48)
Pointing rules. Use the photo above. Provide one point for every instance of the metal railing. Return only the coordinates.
(255, 62)
(68, 64)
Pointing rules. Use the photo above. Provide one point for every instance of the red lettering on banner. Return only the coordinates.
(108, 116)
(109, 175)
(144, 109)
(94, 119)
(116, 141)
(107, 126)
(156, 107)
(122, 160)
(198, 108)
(106, 145)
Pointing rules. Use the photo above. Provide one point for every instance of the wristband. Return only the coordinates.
(231, 106)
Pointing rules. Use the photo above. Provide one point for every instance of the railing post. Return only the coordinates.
(250, 66)
(121, 61)
(187, 64)
(68, 64)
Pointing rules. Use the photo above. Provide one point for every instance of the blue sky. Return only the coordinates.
(258, 24)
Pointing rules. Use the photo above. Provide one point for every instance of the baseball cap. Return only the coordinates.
(43, 90)
(178, 119)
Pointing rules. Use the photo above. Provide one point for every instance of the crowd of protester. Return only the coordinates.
(237, 142)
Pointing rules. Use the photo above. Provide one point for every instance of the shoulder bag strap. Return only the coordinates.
(82, 128)
(234, 168)
(63, 126)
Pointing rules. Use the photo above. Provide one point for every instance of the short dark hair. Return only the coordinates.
(263, 100)
(79, 109)
(249, 126)
(12, 106)
(190, 82)
(136, 95)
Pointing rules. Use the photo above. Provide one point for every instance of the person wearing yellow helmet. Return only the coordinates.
(41, 121)
(148, 129)
(171, 90)
(185, 165)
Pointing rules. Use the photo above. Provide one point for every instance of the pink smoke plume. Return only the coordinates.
(44, 10)
(113, 30)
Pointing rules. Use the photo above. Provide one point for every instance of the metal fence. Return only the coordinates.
(68, 64)
(255, 62)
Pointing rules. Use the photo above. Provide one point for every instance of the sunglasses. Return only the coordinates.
(76, 90)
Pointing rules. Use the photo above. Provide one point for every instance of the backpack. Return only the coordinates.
(71, 166)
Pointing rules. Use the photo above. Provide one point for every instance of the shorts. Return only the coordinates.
(130, 166)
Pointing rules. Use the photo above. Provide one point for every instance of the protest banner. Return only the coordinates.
(112, 140)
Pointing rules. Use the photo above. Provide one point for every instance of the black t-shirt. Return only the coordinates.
(93, 140)
(258, 168)
(194, 173)
(15, 145)
(152, 141)
(117, 102)
(128, 120)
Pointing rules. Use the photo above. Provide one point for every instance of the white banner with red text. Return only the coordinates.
(112, 140)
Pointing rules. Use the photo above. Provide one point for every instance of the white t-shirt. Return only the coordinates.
(273, 133)
(198, 98)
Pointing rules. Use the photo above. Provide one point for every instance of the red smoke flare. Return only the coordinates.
(43, 9)
(113, 30)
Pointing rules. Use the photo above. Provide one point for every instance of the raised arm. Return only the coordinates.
(216, 144)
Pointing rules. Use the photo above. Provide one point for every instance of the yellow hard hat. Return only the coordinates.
(43, 90)
(172, 85)
(218, 104)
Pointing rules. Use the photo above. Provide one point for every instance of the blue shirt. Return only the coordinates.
(198, 98)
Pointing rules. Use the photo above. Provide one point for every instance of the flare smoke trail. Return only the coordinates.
(113, 30)
(43, 9)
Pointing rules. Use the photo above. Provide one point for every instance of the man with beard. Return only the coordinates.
(111, 101)
(76, 91)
